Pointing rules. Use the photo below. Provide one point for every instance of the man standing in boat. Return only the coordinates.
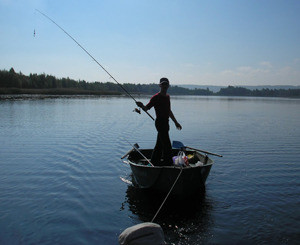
(162, 106)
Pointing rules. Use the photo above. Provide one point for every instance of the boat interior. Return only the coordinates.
(194, 158)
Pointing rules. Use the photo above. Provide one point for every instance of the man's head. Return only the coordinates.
(164, 85)
(164, 82)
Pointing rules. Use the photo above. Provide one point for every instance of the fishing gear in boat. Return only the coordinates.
(46, 16)
(136, 147)
(127, 153)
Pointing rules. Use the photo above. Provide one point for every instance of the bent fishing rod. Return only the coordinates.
(46, 16)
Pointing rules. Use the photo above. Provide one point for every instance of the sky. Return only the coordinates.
(224, 42)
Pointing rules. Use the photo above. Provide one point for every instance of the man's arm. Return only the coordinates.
(178, 126)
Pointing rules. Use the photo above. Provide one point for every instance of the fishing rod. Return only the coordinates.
(46, 16)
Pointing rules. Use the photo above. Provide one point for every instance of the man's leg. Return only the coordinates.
(157, 151)
(166, 148)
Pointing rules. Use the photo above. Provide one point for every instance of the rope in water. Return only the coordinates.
(167, 195)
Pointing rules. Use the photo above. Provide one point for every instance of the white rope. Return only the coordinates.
(167, 195)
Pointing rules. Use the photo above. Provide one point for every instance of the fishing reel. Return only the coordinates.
(137, 110)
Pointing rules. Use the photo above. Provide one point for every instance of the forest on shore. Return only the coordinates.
(18, 83)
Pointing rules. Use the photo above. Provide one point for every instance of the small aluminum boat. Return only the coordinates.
(161, 178)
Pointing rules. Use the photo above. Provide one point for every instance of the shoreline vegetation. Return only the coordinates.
(18, 84)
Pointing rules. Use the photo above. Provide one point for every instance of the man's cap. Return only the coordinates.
(164, 80)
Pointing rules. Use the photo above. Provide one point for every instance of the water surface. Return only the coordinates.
(60, 171)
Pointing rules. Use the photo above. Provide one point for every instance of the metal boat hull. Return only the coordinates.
(161, 178)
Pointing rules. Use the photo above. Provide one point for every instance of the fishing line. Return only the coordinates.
(90, 56)
(167, 195)
(34, 24)
(136, 148)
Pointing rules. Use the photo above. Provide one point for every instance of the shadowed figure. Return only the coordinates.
(161, 103)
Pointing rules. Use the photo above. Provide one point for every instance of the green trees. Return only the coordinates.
(239, 91)
(12, 82)
(10, 79)
(234, 91)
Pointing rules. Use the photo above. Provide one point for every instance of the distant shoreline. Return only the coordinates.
(23, 94)
(18, 83)
(11, 93)
(56, 91)
(64, 95)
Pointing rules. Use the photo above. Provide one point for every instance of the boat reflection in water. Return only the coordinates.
(184, 221)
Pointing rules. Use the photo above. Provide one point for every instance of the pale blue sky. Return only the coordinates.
(225, 42)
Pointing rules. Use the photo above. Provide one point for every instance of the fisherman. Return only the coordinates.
(162, 106)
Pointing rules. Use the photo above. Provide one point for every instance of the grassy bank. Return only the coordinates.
(56, 91)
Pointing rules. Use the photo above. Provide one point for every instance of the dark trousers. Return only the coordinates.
(163, 147)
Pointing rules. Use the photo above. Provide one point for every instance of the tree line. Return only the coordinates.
(240, 91)
(12, 82)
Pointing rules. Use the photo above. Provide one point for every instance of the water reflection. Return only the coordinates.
(186, 221)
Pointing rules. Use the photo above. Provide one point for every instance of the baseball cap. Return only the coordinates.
(163, 80)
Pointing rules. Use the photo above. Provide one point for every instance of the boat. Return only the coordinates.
(191, 178)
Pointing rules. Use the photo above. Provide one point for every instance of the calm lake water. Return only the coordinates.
(60, 171)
